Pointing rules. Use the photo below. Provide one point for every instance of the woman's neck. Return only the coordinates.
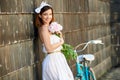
(46, 24)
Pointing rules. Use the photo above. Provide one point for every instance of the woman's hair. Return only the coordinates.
(38, 20)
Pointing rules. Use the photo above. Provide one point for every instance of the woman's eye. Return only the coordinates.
(50, 14)
(45, 14)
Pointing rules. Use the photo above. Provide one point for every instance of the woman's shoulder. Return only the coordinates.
(44, 31)
(43, 28)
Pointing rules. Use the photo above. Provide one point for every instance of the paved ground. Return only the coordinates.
(114, 74)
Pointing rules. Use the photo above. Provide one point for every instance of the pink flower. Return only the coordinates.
(54, 27)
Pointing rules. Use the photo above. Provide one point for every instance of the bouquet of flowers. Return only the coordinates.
(67, 50)
(54, 27)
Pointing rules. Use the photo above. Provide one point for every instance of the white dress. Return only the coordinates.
(54, 66)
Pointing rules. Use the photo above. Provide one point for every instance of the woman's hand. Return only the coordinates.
(61, 41)
(61, 37)
(59, 33)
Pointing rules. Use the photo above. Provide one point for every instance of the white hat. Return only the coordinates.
(43, 3)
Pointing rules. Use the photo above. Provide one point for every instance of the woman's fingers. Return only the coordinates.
(61, 40)
(59, 33)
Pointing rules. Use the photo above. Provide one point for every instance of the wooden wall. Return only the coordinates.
(20, 49)
(16, 40)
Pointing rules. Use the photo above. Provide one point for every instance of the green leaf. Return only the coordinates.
(68, 51)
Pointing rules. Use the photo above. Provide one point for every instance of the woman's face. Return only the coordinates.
(47, 16)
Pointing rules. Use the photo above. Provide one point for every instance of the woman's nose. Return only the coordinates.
(48, 16)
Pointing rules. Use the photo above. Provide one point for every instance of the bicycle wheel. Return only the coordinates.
(91, 74)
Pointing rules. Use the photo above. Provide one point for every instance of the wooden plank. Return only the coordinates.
(0, 30)
(2, 62)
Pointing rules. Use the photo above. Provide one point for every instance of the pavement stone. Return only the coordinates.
(113, 74)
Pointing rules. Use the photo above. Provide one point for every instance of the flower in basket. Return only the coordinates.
(67, 50)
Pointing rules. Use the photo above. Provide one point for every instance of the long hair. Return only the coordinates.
(38, 20)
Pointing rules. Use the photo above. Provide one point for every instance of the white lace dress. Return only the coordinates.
(54, 66)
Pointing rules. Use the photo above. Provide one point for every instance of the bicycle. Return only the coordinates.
(83, 71)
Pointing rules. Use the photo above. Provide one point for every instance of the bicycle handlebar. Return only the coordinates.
(87, 43)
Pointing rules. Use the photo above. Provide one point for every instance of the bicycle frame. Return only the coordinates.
(83, 70)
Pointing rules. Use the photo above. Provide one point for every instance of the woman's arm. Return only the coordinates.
(46, 39)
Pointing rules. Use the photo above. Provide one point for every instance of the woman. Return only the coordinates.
(54, 66)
